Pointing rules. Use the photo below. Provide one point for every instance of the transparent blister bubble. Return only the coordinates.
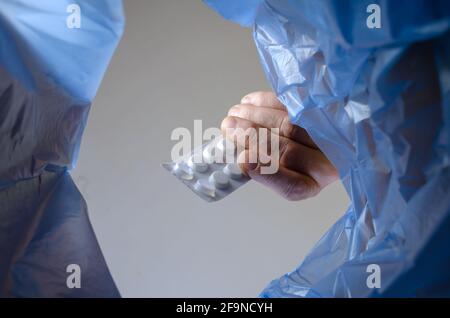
(210, 171)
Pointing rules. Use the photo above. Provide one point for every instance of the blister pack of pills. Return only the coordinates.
(210, 171)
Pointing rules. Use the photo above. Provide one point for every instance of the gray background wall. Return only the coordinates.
(179, 61)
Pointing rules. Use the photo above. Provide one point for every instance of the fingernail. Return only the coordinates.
(233, 111)
(245, 100)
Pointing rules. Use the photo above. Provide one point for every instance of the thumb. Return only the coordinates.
(290, 184)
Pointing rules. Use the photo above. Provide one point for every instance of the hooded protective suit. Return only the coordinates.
(53, 55)
(376, 102)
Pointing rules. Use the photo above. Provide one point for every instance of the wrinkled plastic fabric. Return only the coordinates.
(376, 102)
(49, 74)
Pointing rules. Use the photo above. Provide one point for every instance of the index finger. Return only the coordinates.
(268, 118)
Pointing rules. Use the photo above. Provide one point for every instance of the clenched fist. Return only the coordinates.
(303, 168)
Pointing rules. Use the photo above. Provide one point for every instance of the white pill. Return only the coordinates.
(196, 163)
(205, 187)
(182, 172)
(233, 170)
(219, 179)
(209, 153)
(226, 146)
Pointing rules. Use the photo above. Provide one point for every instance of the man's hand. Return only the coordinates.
(303, 168)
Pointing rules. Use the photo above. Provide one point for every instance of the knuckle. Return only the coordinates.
(290, 192)
(257, 94)
(300, 189)
(286, 128)
(285, 153)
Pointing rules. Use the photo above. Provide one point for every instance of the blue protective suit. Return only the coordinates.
(49, 74)
(376, 102)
